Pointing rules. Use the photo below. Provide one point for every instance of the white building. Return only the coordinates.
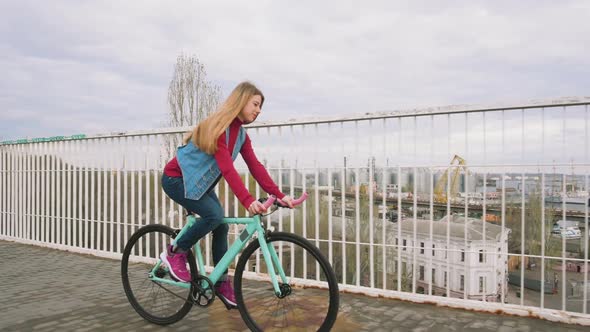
(464, 263)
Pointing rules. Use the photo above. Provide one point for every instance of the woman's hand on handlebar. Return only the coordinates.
(256, 208)
(288, 201)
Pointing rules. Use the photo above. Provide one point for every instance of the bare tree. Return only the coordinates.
(191, 97)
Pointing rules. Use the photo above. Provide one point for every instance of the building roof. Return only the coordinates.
(457, 228)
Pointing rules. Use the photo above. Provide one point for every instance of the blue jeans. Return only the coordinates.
(210, 211)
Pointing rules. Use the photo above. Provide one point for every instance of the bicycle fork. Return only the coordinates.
(272, 260)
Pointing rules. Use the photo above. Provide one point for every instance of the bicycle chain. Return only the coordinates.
(193, 299)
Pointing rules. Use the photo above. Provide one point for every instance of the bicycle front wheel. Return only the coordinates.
(157, 302)
(309, 300)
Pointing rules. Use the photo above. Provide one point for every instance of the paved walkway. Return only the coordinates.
(49, 290)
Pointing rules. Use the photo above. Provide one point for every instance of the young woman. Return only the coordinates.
(206, 155)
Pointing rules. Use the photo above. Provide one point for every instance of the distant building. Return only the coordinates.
(470, 265)
(512, 184)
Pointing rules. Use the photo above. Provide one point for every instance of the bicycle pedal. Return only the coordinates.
(228, 306)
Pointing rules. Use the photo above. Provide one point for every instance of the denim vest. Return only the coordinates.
(199, 169)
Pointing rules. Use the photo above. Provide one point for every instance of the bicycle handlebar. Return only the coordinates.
(272, 198)
(299, 200)
(269, 201)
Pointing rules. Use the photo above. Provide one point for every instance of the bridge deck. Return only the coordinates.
(50, 290)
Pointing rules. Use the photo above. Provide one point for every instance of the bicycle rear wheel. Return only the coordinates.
(310, 299)
(157, 302)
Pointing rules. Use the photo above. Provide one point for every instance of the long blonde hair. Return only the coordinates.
(206, 133)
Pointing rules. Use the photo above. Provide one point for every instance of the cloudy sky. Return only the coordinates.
(70, 67)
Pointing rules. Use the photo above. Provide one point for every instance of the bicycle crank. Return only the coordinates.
(204, 292)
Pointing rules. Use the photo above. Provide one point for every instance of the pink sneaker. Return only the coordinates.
(176, 263)
(226, 290)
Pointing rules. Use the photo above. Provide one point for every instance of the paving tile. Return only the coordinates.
(64, 291)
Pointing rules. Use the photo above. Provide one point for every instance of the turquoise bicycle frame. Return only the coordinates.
(253, 226)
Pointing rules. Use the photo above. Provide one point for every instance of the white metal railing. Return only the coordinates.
(382, 205)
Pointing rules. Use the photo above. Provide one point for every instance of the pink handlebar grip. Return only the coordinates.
(297, 201)
(271, 199)
(300, 199)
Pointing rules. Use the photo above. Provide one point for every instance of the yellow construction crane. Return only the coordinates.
(440, 190)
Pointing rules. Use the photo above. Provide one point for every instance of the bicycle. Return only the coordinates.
(290, 302)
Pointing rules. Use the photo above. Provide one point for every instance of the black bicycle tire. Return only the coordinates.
(127, 287)
(324, 263)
